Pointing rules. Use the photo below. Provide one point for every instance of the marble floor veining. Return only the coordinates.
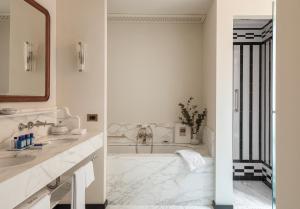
(157, 207)
(247, 195)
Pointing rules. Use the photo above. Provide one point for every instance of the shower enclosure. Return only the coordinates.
(253, 101)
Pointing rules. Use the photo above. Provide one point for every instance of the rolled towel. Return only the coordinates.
(192, 158)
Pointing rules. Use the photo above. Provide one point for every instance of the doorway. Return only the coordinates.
(252, 116)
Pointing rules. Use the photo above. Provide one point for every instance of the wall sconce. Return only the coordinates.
(81, 56)
(28, 56)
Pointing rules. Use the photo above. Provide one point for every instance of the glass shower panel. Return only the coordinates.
(274, 107)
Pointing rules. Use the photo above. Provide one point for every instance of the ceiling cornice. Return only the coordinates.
(196, 19)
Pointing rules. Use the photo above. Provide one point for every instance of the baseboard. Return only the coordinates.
(215, 206)
(247, 178)
(267, 183)
(88, 206)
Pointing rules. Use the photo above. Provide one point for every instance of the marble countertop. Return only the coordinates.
(17, 183)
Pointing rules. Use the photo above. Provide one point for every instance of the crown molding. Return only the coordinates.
(195, 19)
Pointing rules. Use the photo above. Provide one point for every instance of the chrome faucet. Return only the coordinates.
(144, 135)
(31, 125)
(39, 123)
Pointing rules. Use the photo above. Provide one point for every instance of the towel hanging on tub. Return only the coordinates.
(194, 159)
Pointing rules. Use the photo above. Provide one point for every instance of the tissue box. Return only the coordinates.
(182, 134)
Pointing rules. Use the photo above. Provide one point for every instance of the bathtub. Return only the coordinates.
(161, 178)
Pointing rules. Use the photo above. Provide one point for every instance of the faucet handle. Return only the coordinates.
(30, 125)
(22, 126)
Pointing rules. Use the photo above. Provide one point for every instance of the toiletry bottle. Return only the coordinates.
(31, 139)
(24, 141)
(28, 140)
(19, 142)
(13, 143)
(25, 138)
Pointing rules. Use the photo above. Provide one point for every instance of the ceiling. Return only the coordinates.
(159, 7)
(4, 6)
(250, 23)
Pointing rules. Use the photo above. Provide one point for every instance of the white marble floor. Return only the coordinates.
(247, 195)
(157, 207)
(252, 195)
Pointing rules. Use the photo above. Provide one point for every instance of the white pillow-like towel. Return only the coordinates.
(192, 158)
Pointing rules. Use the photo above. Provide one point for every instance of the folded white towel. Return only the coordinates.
(82, 179)
(43, 203)
(89, 174)
(192, 158)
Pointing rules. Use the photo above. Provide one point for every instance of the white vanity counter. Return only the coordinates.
(38, 168)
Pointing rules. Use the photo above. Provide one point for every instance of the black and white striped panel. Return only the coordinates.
(246, 120)
(266, 103)
(252, 136)
(249, 35)
(267, 32)
(253, 171)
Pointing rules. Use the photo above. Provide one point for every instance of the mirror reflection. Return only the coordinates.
(22, 49)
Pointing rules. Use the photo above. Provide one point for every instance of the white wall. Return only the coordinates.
(4, 55)
(84, 92)
(209, 65)
(51, 6)
(288, 103)
(152, 67)
(226, 12)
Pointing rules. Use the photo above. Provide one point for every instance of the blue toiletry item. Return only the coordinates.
(19, 143)
(31, 138)
(24, 141)
(27, 138)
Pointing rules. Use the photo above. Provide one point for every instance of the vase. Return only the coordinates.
(195, 140)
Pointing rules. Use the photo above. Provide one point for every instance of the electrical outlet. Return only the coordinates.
(92, 117)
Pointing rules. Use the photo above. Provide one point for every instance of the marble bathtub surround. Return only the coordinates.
(158, 179)
(122, 146)
(60, 155)
(161, 131)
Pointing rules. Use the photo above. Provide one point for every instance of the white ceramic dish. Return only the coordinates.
(8, 111)
(59, 130)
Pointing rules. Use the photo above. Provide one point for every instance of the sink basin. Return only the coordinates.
(64, 140)
(15, 160)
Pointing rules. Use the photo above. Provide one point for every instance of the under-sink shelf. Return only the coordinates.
(59, 193)
(56, 195)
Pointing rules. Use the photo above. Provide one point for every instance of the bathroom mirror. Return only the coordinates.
(24, 51)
